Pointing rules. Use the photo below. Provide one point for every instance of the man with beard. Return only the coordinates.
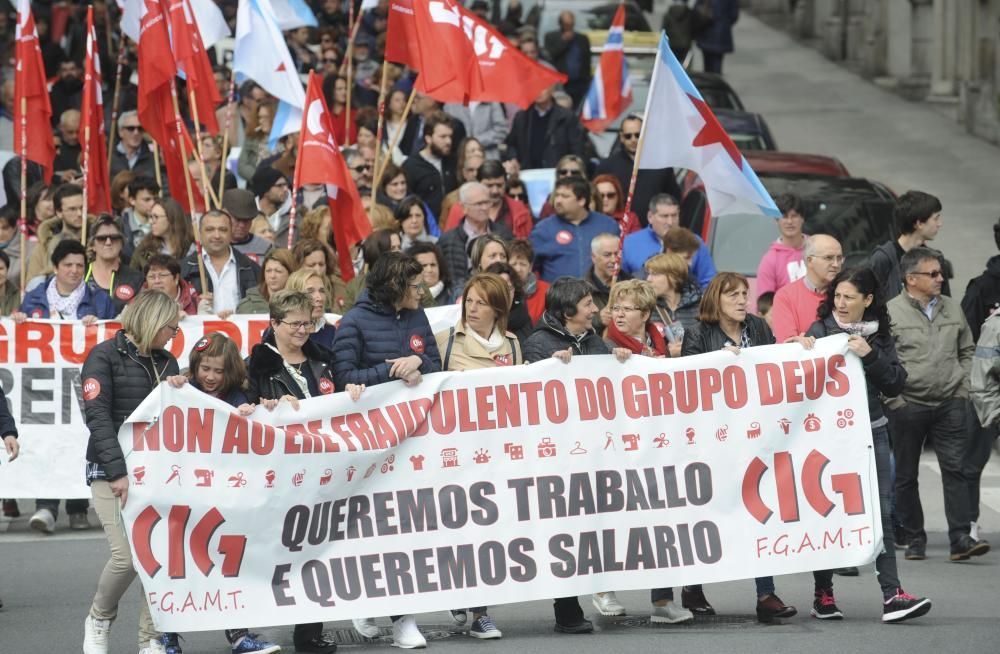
(67, 91)
(429, 175)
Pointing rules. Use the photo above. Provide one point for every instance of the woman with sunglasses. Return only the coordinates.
(609, 198)
(107, 271)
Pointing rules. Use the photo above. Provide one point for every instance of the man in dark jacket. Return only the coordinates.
(569, 52)
(427, 171)
(982, 295)
(228, 272)
(475, 200)
(716, 40)
(131, 152)
(648, 182)
(544, 133)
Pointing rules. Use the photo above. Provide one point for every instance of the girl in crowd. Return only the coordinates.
(854, 305)
(255, 144)
(480, 340)
(521, 257)
(677, 298)
(393, 187)
(609, 199)
(386, 336)
(122, 371)
(486, 250)
(412, 219)
(170, 233)
(378, 243)
(163, 273)
(725, 324)
(288, 366)
(335, 92)
(119, 191)
(313, 285)
(107, 272)
(436, 276)
(217, 369)
(40, 205)
(519, 320)
(278, 264)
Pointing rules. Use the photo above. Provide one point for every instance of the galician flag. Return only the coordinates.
(680, 131)
(610, 91)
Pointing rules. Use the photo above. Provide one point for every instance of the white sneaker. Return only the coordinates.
(366, 627)
(670, 614)
(155, 647)
(95, 635)
(608, 604)
(406, 635)
(43, 521)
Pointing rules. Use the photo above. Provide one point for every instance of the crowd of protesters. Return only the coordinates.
(451, 224)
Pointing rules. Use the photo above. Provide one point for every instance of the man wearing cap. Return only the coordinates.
(242, 208)
(273, 199)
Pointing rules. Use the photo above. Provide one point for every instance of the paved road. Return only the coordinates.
(812, 106)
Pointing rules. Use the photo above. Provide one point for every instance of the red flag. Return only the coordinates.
(95, 157)
(156, 109)
(31, 90)
(429, 36)
(319, 162)
(192, 59)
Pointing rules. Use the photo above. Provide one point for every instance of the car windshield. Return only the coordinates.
(749, 141)
(739, 241)
(590, 16)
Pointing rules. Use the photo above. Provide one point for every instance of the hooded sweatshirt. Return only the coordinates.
(781, 265)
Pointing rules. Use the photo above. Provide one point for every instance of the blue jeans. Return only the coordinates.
(885, 562)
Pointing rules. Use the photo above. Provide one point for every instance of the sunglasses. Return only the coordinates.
(132, 128)
(608, 196)
(108, 239)
(362, 167)
(516, 196)
(628, 136)
(566, 172)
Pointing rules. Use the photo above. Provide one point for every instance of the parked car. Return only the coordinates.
(748, 130)
(715, 90)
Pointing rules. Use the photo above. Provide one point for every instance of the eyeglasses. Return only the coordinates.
(516, 196)
(361, 167)
(566, 172)
(621, 308)
(628, 136)
(481, 203)
(108, 239)
(298, 326)
(152, 277)
(609, 196)
(175, 329)
(417, 287)
(132, 128)
(831, 258)
(934, 274)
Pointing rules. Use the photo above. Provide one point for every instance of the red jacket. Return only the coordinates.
(536, 303)
(517, 217)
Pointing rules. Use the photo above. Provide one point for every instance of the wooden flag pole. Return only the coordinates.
(156, 163)
(114, 110)
(628, 201)
(86, 182)
(355, 24)
(225, 134)
(377, 178)
(381, 122)
(187, 183)
(206, 183)
(23, 226)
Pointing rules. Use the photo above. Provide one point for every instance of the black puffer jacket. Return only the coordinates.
(884, 373)
(550, 336)
(116, 379)
(709, 337)
(270, 380)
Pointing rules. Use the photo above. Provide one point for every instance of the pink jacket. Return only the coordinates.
(780, 266)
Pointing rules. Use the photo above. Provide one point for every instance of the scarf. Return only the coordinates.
(436, 289)
(297, 376)
(620, 339)
(66, 306)
(864, 328)
(530, 285)
(491, 345)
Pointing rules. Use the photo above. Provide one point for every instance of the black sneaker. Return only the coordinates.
(824, 606)
(694, 600)
(903, 606)
(916, 550)
(898, 538)
(968, 546)
(585, 626)
(771, 607)
(851, 571)
(322, 644)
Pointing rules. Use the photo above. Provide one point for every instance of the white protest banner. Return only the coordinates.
(40, 362)
(502, 485)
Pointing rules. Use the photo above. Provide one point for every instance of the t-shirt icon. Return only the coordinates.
(417, 461)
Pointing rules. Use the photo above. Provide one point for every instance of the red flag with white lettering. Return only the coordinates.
(429, 36)
(192, 59)
(35, 143)
(95, 157)
(319, 162)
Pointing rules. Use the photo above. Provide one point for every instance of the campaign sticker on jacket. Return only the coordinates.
(91, 388)
(325, 386)
(124, 292)
(503, 359)
(252, 256)
(417, 344)
(37, 313)
(564, 237)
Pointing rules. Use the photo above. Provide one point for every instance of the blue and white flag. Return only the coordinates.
(680, 131)
(291, 14)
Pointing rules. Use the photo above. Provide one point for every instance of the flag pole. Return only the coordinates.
(355, 23)
(291, 221)
(86, 182)
(114, 110)
(395, 139)
(187, 181)
(205, 182)
(628, 201)
(23, 226)
(156, 163)
(381, 122)
(225, 134)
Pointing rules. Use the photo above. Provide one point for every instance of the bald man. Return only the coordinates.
(795, 305)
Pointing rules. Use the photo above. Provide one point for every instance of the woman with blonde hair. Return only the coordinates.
(632, 303)
(118, 374)
(677, 298)
(275, 269)
(320, 258)
(312, 284)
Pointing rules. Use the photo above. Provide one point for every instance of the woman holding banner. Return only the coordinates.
(217, 369)
(854, 306)
(386, 337)
(117, 376)
(724, 324)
